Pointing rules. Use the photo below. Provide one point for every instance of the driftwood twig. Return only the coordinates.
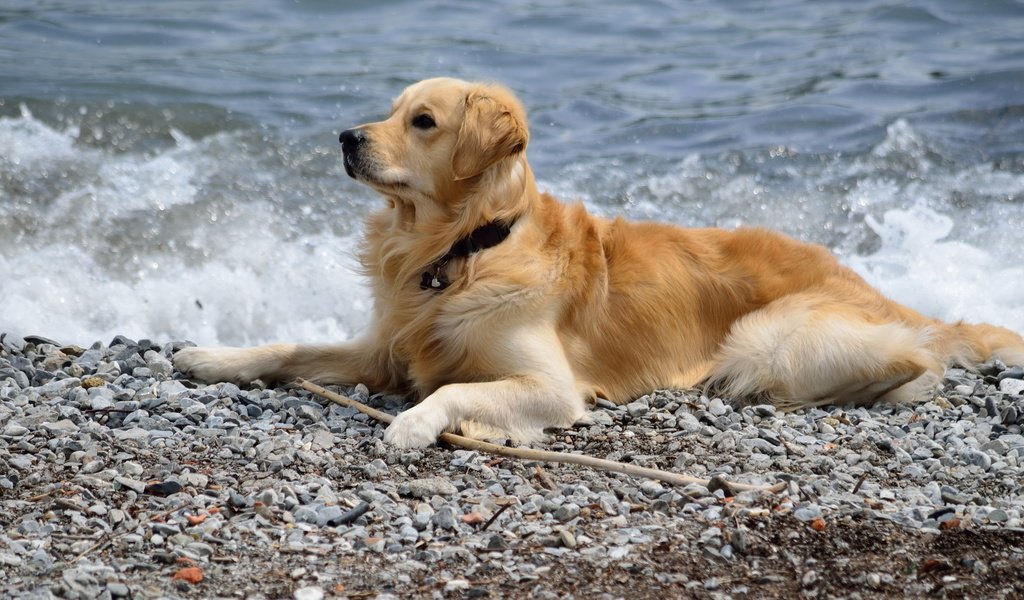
(539, 455)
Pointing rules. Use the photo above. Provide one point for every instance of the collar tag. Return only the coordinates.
(483, 237)
(432, 281)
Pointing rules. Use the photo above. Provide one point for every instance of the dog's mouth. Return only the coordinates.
(350, 165)
(358, 170)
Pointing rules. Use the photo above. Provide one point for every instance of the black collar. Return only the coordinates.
(483, 237)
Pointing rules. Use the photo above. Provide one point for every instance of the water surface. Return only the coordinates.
(171, 170)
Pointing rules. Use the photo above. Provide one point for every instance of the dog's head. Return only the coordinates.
(442, 136)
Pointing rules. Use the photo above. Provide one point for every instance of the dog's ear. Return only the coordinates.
(494, 127)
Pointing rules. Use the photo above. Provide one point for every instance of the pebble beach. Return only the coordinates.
(121, 478)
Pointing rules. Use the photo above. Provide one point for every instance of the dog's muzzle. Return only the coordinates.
(351, 142)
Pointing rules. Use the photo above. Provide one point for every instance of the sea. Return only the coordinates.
(170, 170)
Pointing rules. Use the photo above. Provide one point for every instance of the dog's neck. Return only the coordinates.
(486, 236)
(406, 233)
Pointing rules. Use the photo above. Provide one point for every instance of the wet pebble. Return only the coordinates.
(176, 469)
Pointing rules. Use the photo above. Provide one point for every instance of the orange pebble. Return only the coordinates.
(189, 574)
(818, 524)
(473, 518)
(195, 519)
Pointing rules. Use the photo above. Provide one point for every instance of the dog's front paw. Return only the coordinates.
(417, 427)
(217, 364)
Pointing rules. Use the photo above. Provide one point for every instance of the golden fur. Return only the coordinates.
(573, 306)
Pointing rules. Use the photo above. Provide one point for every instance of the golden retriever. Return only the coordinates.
(507, 311)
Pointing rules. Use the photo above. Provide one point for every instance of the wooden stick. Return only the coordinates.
(538, 455)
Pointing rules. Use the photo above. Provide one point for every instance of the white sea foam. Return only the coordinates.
(950, 239)
(254, 281)
(920, 266)
(252, 278)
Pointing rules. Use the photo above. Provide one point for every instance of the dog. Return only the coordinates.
(507, 312)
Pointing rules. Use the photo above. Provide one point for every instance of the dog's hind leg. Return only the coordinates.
(809, 350)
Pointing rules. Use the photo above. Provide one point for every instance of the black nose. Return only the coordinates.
(351, 138)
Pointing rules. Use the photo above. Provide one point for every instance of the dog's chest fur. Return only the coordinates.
(456, 334)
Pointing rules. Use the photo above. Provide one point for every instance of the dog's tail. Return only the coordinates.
(796, 358)
(969, 344)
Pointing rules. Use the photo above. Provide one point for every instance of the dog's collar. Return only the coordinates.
(486, 236)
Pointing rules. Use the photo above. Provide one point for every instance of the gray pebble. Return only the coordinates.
(567, 512)
(444, 518)
(429, 486)
(807, 512)
(638, 408)
(284, 468)
(1012, 386)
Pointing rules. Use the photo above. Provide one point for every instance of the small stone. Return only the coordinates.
(638, 408)
(100, 403)
(131, 469)
(473, 518)
(951, 496)
(1012, 386)
(975, 457)
(306, 514)
(163, 488)
(996, 447)
(422, 515)
(189, 574)
(456, 585)
(132, 484)
(497, 543)
(329, 515)
(376, 469)
(807, 512)
(567, 511)
(429, 487)
(136, 434)
(118, 590)
(1016, 372)
(200, 548)
(309, 593)
(61, 427)
(93, 466)
(308, 412)
(717, 408)
(268, 497)
(651, 488)
(323, 439)
(14, 430)
(91, 382)
(444, 518)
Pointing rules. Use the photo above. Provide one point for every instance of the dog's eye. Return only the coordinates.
(423, 122)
